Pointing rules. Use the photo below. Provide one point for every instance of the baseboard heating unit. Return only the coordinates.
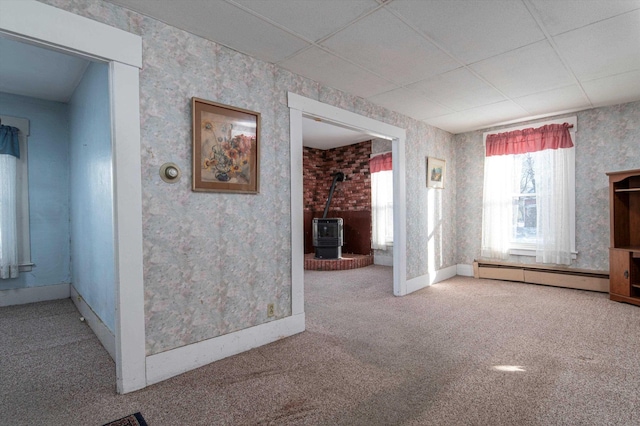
(557, 276)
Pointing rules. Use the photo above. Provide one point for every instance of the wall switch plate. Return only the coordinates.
(270, 310)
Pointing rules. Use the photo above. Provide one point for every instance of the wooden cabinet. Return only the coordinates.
(624, 253)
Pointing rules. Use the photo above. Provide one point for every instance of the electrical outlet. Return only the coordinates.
(271, 311)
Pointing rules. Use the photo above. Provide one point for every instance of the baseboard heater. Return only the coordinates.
(582, 279)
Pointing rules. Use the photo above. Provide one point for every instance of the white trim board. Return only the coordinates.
(177, 361)
(418, 283)
(102, 332)
(28, 20)
(465, 270)
(299, 106)
(20, 296)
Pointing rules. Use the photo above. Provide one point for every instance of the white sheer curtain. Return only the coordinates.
(551, 154)
(8, 219)
(497, 207)
(9, 153)
(381, 209)
(553, 170)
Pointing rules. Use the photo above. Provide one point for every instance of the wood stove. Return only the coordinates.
(328, 238)
(328, 234)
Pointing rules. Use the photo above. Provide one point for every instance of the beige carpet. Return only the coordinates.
(462, 352)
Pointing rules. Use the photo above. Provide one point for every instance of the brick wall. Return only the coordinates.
(354, 194)
(351, 198)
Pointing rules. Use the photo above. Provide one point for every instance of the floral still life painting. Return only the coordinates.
(225, 148)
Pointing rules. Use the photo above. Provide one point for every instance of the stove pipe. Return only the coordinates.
(338, 177)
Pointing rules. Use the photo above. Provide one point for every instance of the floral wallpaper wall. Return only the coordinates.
(213, 261)
(608, 139)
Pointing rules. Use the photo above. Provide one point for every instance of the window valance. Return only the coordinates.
(381, 163)
(551, 136)
(9, 141)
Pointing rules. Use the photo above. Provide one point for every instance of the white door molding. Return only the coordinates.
(46, 26)
(299, 106)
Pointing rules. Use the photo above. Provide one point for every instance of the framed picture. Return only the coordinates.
(226, 148)
(435, 173)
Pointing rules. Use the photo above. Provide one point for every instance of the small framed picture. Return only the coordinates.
(226, 148)
(435, 173)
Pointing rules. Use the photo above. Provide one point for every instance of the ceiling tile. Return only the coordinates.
(524, 71)
(607, 48)
(478, 118)
(332, 71)
(381, 42)
(472, 30)
(562, 99)
(411, 103)
(614, 89)
(447, 55)
(311, 19)
(459, 89)
(224, 23)
(561, 16)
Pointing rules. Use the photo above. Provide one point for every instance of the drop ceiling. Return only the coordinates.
(459, 65)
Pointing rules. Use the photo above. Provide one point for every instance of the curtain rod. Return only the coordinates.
(570, 126)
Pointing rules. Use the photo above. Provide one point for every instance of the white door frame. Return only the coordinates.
(299, 106)
(46, 26)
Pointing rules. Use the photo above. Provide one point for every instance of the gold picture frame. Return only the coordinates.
(226, 148)
(436, 169)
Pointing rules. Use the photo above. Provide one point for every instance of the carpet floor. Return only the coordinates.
(461, 352)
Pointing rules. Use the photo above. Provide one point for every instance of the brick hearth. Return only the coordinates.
(347, 261)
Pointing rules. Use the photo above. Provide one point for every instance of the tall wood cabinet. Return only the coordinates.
(624, 254)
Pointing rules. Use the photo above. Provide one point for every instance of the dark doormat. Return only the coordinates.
(131, 420)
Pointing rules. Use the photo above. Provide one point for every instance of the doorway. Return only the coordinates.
(300, 106)
(337, 196)
(46, 26)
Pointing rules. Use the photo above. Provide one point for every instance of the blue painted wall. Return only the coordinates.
(48, 146)
(91, 186)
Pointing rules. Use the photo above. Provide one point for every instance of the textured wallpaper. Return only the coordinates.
(213, 261)
(608, 139)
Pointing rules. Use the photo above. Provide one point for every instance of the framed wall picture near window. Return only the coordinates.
(435, 173)
(226, 148)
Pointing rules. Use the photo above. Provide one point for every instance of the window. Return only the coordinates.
(21, 237)
(529, 193)
(381, 201)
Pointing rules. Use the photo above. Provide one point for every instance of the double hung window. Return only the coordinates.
(380, 167)
(528, 198)
(15, 252)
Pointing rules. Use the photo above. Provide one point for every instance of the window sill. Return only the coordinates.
(26, 267)
(523, 251)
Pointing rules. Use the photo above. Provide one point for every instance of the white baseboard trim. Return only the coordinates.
(20, 296)
(382, 260)
(465, 270)
(418, 283)
(180, 360)
(102, 332)
(445, 273)
(423, 281)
